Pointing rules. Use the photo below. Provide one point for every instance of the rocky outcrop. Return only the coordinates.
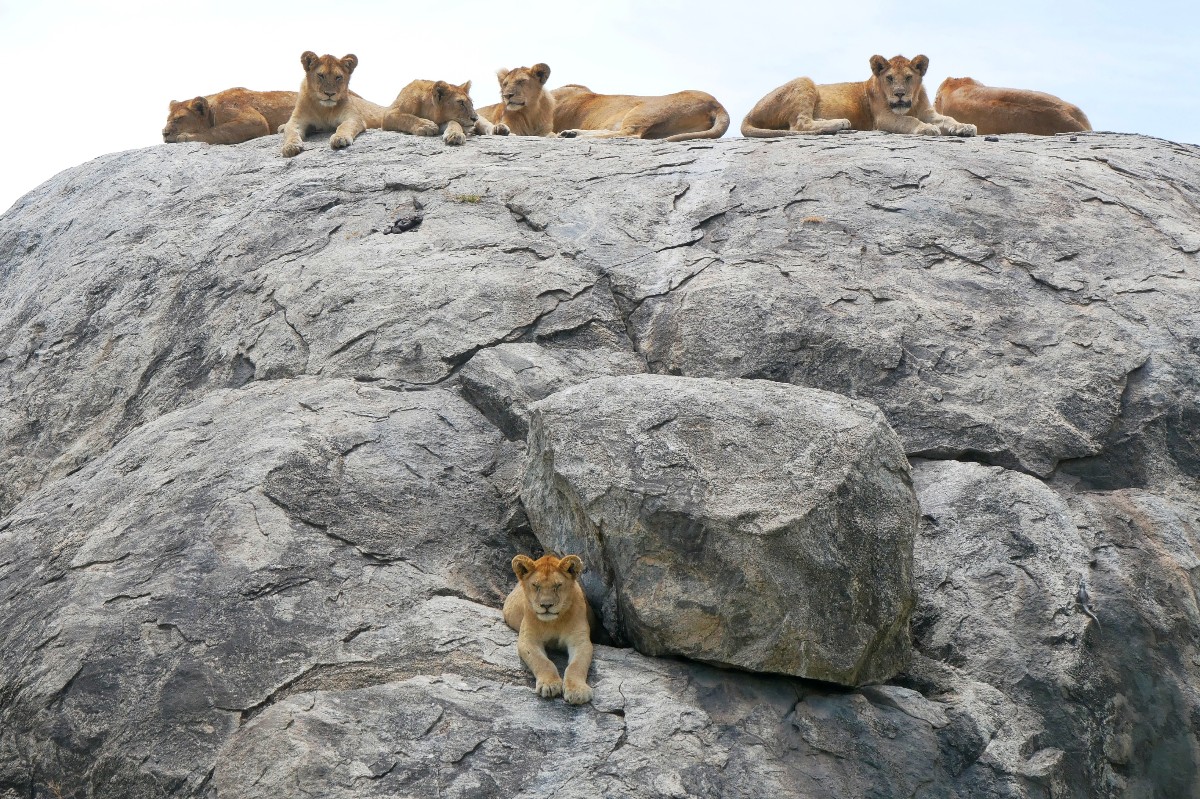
(745, 523)
(262, 450)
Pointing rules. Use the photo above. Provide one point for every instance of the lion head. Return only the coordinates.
(186, 118)
(327, 79)
(454, 104)
(548, 583)
(521, 86)
(899, 80)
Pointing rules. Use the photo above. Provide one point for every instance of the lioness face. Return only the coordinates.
(899, 80)
(454, 103)
(547, 583)
(521, 86)
(186, 117)
(327, 79)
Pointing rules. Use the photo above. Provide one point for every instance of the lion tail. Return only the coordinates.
(720, 124)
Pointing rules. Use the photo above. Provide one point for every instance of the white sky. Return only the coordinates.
(101, 73)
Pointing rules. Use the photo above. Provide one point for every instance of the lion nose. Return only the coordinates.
(474, 117)
(899, 91)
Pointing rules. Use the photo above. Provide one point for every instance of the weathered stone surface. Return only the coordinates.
(504, 380)
(1028, 303)
(744, 523)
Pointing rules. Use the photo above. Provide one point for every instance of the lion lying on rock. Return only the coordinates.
(892, 99)
(229, 117)
(526, 108)
(578, 111)
(993, 109)
(548, 608)
(427, 108)
(326, 103)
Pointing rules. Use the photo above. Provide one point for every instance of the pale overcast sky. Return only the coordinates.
(97, 75)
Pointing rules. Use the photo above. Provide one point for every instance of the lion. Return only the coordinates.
(229, 117)
(892, 99)
(427, 108)
(578, 111)
(548, 608)
(326, 103)
(993, 109)
(527, 108)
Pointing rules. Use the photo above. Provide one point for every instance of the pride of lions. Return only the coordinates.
(547, 608)
(892, 99)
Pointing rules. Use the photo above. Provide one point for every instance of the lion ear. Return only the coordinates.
(878, 64)
(308, 59)
(572, 565)
(501, 74)
(920, 64)
(350, 61)
(199, 107)
(440, 89)
(522, 565)
(466, 87)
(541, 72)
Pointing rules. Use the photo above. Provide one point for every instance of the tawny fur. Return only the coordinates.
(326, 103)
(525, 107)
(229, 117)
(548, 608)
(427, 108)
(578, 111)
(994, 109)
(892, 99)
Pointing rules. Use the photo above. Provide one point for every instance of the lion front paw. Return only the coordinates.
(501, 130)
(961, 129)
(567, 134)
(548, 689)
(291, 149)
(577, 693)
(340, 141)
(454, 137)
(425, 128)
(928, 130)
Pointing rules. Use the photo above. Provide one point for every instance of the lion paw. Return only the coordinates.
(501, 130)
(962, 129)
(425, 128)
(568, 134)
(548, 689)
(928, 130)
(340, 141)
(577, 693)
(291, 149)
(454, 137)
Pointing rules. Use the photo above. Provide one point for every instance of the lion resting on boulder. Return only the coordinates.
(548, 608)
(993, 109)
(892, 99)
(526, 108)
(326, 103)
(578, 111)
(427, 108)
(229, 117)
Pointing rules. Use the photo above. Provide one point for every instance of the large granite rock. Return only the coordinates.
(744, 523)
(246, 498)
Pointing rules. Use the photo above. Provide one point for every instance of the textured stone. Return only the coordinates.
(240, 477)
(744, 523)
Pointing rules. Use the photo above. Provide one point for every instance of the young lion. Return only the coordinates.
(326, 103)
(229, 117)
(997, 110)
(528, 109)
(892, 99)
(548, 608)
(426, 108)
(578, 111)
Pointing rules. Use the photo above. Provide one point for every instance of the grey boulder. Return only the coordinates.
(738, 522)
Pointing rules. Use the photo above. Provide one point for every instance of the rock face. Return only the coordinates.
(744, 523)
(262, 456)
